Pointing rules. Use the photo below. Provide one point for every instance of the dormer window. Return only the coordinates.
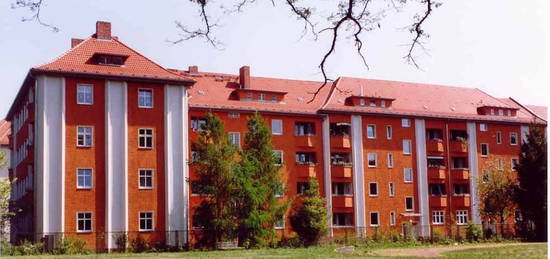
(496, 110)
(369, 101)
(372, 103)
(259, 95)
(249, 96)
(383, 103)
(273, 98)
(362, 102)
(262, 97)
(109, 59)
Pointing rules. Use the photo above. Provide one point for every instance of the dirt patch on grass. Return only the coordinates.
(436, 251)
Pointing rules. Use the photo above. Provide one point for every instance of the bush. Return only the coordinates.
(473, 232)
(377, 236)
(437, 236)
(395, 236)
(139, 245)
(28, 248)
(291, 242)
(121, 240)
(70, 246)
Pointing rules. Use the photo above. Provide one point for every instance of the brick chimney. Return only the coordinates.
(103, 30)
(75, 42)
(244, 77)
(193, 69)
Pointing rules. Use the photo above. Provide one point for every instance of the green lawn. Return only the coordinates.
(508, 251)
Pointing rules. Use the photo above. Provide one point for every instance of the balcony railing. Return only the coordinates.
(460, 173)
(437, 173)
(343, 171)
(435, 146)
(340, 142)
(306, 170)
(461, 201)
(438, 201)
(459, 147)
(342, 201)
(306, 141)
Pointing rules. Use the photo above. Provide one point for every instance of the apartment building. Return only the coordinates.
(101, 138)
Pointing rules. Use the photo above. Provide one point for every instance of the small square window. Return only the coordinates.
(83, 222)
(483, 127)
(374, 219)
(371, 131)
(83, 136)
(408, 175)
(438, 217)
(362, 102)
(145, 98)
(274, 98)
(372, 159)
(372, 103)
(461, 217)
(277, 127)
(500, 112)
(405, 123)
(84, 178)
(145, 221)
(383, 103)
(145, 138)
(373, 189)
(145, 179)
(84, 94)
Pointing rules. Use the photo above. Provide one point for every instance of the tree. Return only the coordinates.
(5, 192)
(496, 192)
(215, 169)
(532, 176)
(310, 220)
(258, 181)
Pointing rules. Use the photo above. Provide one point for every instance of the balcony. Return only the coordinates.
(461, 201)
(342, 201)
(460, 174)
(343, 171)
(435, 146)
(306, 170)
(437, 173)
(459, 147)
(340, 142)
(438, 201)
(305, 141)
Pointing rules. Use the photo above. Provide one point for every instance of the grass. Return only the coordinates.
(511, 251)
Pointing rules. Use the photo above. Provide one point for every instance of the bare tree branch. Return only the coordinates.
(35, 7)
(416, 29)
(205, 33)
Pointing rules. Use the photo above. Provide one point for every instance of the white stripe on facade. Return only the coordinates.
(472, 161)
(327, 172)
(176, 172)
(358, 177)
(422, 176)
(116, 160)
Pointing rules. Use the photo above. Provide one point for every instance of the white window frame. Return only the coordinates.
(405, 123)
(145, 135)
(391, 189)
(85, 219)
(481, 149)
(389, 132)
(392, 218)
(483, 127)
(499, 137)
(500, 112)
(152, 98)
(407, 142)
(151, 176)
(273, 122)
(375, 160)
(91, 94)
(390, 160)
(382, 103)
(412, 203)
(362, 102)
(500, 163)
(91, 179)
(235, 142)
(377, 218)
(84, 134)
(249, 96)
(373, 136)
(283, 221)
(516, 137)
(512, 166)
(233, 115)
(261, 97)
(406, 171)
(282, 159)
(461, 217)
(377, 191)
(145, 218)
(438, 217)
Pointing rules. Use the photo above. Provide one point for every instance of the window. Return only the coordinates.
(109, 60)
(84, 94)
(461, 217)
(383, 103)
(277, 127)
(409, 203)
(483, 126)
(194, 156)
(500, 112)
(145, 138)
(304, 129)
(374, 219)
(485, 176)
(434, 134)
(234, 115)
(280, 223)
(362, 102)
(249, 96)
(390, 160)
(408, 175)
(341, 189)
(517, 216)
(514, 163)
(274, 98)
(372, 159)
(371, 131)
(392, 190)
(278, 157)
(513, 138)
(437, 189)
(459, 162)
(145, 179)
(83, 136)
(436, 162)
(392, 218)
(83, 222)
(279, 191)
(305, 158)
(84, 178)
(438, 217)
(372, 103)
(340, 129)
(341, 219)
(389, 132)
(407, 146)
(197, 123)
(301, 187)
(492, 111)
(484, 149)
(145, 221)
(235, 139)
(499, 137)
(373, 189)
(501, 163)
(459, 135)
(262, 97)
(145, 98)
(340, 159)
(461, 189)
(405, 123)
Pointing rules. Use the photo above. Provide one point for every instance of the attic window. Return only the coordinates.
(109, 59)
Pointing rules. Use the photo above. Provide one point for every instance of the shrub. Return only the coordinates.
(139, 245)
(70, 246)
(310, 220)
(291, 242)
(121, 240)
(437, 236)
(377, 236)
(473, 232)
(394, 236)
(29, 248)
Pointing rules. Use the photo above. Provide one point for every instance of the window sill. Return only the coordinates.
(84, 147)
(85, 103)
(145, 107)
(342, 226)
(342, 195)
(145, 148)
(433, 223)
(145, 188)
(279, 228)
(84, 231)
(145, 230)
(83, 188)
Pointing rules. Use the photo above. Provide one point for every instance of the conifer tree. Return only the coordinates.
(532, 176)
(216, 159)
(310, 220)
(258, 182)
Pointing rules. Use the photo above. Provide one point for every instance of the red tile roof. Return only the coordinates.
(77, 60)
(5, 129)
(541, 111)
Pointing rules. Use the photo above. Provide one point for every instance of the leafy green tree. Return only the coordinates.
(5, 192)
(310, 220)
(532, 176)
(216, 160)
(258, 182)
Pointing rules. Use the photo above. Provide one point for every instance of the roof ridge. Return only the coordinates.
(528, 109)
(412, 83)
(66, 52)
(331, 93)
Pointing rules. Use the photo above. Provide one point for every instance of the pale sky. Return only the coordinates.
(501, 47)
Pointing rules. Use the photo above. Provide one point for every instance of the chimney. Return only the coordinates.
(244, 77)
(103, 30)
(75, 42)
(193, 69)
